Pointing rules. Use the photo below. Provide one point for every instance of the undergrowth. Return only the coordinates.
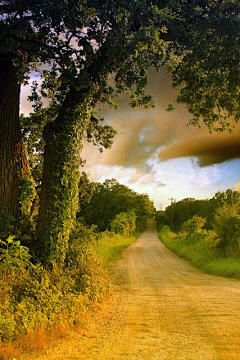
(201, 249)
(37, 303)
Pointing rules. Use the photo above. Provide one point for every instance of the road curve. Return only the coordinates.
(166, 309)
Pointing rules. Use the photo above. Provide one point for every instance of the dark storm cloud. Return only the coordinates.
(208, 148)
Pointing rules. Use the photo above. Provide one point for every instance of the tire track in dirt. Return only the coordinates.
(164, 309)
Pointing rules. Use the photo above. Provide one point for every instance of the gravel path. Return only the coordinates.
(163, 308)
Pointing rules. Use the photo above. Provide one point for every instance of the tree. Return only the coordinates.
(227, 227)
(110, 199)
(184, 210)
(229, 197)
(87, 54)
(207, 75)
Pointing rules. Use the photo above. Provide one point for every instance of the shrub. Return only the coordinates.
(33, 297)
(36, 299)
(124, 223)
(227, 227)
(195, 224)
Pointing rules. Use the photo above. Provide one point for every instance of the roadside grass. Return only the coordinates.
(111, 246)
(200, 250)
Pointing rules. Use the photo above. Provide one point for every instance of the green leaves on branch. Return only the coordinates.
(124, 223)
(206, 72)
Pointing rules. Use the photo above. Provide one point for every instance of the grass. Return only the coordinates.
(111, 246)
(228, 267)
(33, 342)
(199, 249)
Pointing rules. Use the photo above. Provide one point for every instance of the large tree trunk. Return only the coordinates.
(60, 179)
(14, 166)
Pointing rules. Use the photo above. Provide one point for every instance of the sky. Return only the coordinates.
(156, 153)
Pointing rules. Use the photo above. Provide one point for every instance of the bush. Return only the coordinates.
(227, 227)
(124, 223)
(35, 298)
(195, 224)
(84, 264)
(6, 225)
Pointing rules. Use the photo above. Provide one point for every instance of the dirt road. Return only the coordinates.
(165, 309)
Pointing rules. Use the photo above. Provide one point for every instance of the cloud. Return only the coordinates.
(237, 186)
(150, 179)
(142, 133)
(208, 148)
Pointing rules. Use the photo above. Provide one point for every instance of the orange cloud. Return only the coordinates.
(143, 134)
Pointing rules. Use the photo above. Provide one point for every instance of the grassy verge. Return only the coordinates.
(200, 249)
(111, 246)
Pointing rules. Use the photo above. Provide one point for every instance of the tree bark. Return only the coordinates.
(13, 160)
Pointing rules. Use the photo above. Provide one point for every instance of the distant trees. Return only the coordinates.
(185, 209)
(110, 199)
(221, 213)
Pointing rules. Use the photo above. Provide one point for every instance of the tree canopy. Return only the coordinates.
(76, 45)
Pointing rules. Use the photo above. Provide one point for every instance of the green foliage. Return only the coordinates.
(229, 197)
(27, 197)
(84, 264)
(59, 194)
(185, 209)
(34, 297)
(221, 213)
(85, 190)
(227, 227)
(111, 198)
(162, 219)
(200, 249)
(32, 128)
(195, 224)
(124, 223)
(6, 224)
(87, 55)
(110, 245)
(206, 65)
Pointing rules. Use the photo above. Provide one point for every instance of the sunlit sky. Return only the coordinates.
(155, 152)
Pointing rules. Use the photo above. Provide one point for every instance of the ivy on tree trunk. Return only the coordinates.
(61, 175)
